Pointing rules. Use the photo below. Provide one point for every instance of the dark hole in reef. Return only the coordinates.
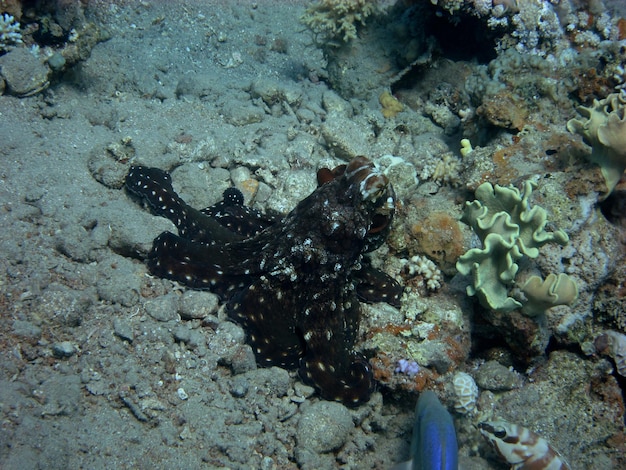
(463, 37)
(48, 33)
(458, 38)
(613, 208)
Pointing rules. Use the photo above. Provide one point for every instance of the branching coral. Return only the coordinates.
(420, 265)
(336, 20)
(510, 229)
(9, 32)
(603, 127)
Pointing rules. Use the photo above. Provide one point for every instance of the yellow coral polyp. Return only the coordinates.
(466, 147)
(390, 104)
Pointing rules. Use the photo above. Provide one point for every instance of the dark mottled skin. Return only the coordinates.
(292, 283)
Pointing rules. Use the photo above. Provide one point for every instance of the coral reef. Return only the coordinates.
(436, 234)
(510, 229)
(336, 21)
(410, 368)
(603, 127)
(53, 36)
(613, 344)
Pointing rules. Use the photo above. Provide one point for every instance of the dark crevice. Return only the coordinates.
(463, 37)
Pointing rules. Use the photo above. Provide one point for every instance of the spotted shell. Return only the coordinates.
(465, 393)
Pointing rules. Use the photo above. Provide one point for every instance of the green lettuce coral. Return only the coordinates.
(510, 229)
(336, 20)
(603, 127)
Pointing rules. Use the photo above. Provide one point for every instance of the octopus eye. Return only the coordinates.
(326, 175)
(379, 223)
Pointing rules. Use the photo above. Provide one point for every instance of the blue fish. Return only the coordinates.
(434, 445)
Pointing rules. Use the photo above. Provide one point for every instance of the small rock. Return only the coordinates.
(249, 188)
(196, 304)
(181, 333)
(495, 377)
(303, 390)
(345, 137)
(164, 308)
(26, 329)
(182, 394)
(56, 61)
(273, 381)
(333, 103)
(243, 360)
(239, 387)
(324, 426)
(24, 73)
(119, 281)
(185, 433)
(63, 349)
(243, 114)
(109, 166)
(98, 388)
(123, 329)
(240, 174)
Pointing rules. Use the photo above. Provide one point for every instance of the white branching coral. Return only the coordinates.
(10, 34)
(336, 20)
(422, 266)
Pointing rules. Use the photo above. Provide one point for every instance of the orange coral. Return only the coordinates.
(621, 28)
(439, 237)
(592, 86)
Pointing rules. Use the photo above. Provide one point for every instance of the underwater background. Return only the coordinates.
(485, 243)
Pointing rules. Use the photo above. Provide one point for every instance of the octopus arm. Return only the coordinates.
(330, 363)
(266, 310)
(218, 268)
(155, 187)
(374, 285)
(238, 218)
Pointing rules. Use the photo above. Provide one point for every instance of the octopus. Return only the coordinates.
(293, 282)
